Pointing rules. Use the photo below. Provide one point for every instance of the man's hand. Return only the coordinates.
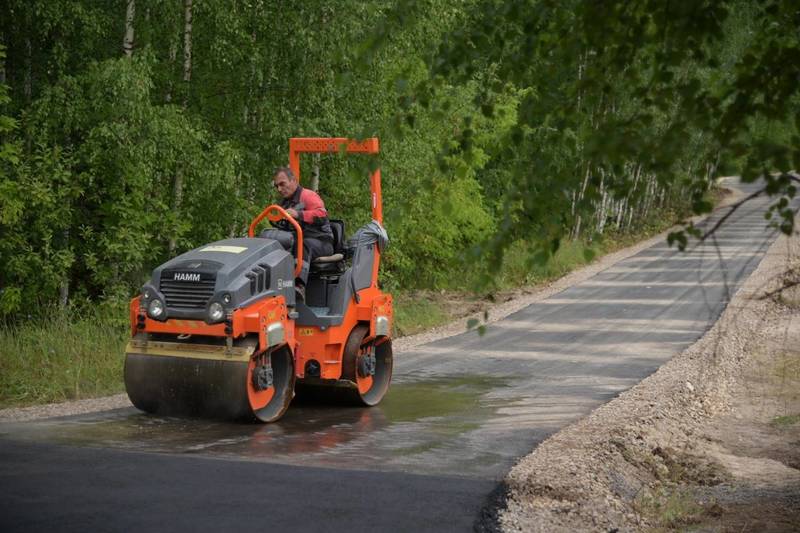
(292, 212)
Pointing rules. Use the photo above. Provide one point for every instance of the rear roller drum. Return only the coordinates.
(368, 365)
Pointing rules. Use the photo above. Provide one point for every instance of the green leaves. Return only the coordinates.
(86, 209)
(533, 121)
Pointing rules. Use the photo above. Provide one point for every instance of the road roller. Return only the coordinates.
(220, 332)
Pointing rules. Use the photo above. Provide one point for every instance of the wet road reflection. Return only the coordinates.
(416, 428)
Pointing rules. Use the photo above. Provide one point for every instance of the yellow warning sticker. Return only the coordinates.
(228, 249)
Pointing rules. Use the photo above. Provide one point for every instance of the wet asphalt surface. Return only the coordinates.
(460, 413)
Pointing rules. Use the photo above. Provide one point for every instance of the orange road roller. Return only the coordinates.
(219, 331)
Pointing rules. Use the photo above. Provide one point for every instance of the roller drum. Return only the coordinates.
(173, 378)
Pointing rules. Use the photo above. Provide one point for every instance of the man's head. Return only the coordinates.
(285, 182)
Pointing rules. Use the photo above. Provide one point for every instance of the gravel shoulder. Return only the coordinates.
(709, 441)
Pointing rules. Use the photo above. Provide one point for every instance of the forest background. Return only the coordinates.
(511, 132)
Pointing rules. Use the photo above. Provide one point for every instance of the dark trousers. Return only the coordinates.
(313, 248)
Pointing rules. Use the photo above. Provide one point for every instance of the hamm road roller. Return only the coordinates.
(219, 332)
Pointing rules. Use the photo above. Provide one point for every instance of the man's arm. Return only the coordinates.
(313, 207)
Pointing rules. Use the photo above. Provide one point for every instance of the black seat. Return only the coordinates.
(334, 263)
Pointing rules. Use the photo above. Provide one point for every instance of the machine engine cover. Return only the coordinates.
(234, 272)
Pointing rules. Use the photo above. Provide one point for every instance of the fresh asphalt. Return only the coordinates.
(461, 411)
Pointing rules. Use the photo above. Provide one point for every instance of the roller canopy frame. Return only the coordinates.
(326, 145)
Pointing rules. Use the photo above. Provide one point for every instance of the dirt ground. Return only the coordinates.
(710, 442)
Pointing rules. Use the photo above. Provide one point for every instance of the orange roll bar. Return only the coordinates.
(275, 213)
(317, 145)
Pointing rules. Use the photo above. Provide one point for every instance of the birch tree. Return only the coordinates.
(127, 41)
(177, 189)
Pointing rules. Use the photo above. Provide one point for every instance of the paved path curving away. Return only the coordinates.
(461, 411)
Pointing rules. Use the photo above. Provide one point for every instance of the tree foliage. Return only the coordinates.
(613, 91)
(499, 121)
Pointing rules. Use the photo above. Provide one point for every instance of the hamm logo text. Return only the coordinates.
(186, 276)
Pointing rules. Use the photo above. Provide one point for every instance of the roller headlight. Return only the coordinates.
(215, 312)
(155, 309)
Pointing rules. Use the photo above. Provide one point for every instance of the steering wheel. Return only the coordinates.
(274, 213)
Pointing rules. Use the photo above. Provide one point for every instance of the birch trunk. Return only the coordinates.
(127, 41)
(626, 211)
(63, 289)
(28, 83)
(630, 217)
(622, 208)
(315, 174)
(187, 48)
(177, 189)
(601, 216)
(173, 56)
(648, 195)
(576, 230)
(63, 293)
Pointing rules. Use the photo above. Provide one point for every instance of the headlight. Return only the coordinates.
(216, 312)
(275, 334)
(155, 309)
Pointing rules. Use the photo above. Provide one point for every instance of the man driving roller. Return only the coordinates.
(305, 206)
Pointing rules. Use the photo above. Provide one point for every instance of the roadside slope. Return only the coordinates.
(664, 453)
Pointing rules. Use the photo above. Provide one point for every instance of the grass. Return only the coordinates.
(671, 509)
(62, 358)
(784, 379)
(785, 421)
(415, 314)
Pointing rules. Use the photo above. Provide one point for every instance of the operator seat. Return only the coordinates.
(332, 264)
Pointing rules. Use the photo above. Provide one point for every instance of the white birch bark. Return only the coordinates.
(187, 47)
(601, 215)
(620, 216)
(315, 174)
(576, 230)
(127, 41)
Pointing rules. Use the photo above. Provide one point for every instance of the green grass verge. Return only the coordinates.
(785, 421)
(673, 509)
(65, 357)
(415, 314)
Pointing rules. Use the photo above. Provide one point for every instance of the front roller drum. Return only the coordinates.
(270, 384)
(368, 366)
(258, 388)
